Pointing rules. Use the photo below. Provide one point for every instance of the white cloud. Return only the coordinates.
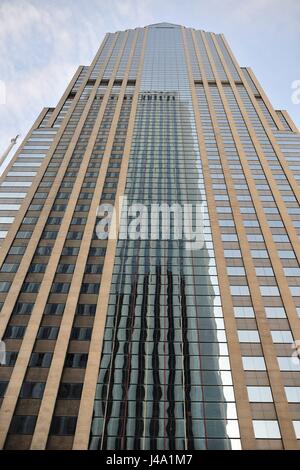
(41, 46)
(43, 42)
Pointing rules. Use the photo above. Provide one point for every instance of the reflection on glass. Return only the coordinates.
(164, 380)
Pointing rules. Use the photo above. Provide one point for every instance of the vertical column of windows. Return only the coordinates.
(265, 290)
(57, 206)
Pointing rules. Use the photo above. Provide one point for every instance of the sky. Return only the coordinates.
(42, 43)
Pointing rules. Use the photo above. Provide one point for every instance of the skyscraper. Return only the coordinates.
(147, 340)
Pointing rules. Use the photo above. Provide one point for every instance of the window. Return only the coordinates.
(282, 336)
(247, 210)
(288, 363)
(81, 334)
(259, 254)
(235, 271)
(78, 221)
(9, 268)
(70, 251)
(47, 332)
(49, 235)
(12, 195)
(4, 286)
(40, 359)
(21, 173)
(24, 164)
(220, 197)
(292, 272)
(232, 254)
(253, 363)
(63, 425)
(275, 312)
(40, 139)
(54, 309)
(37, 268)
(34, 147)
(292, 394)
(43, 131)
(35, 207)
(295, 291)
(239, 290)
(76, 360)
(89, 288)
(54, 220)
(271, 210)
(22, 424)
(97, 251)
(30, 220)
(266, 429)
(286, 254)
(71, 391)
(74, 235)
(229, 237)
(15, 332)
(248, 336)
(16, 184)
(65, 268)
(32, 390)
(296, 425)
(81, 208)
(281, 238)
(17, 250)
(86, 309)
(59, 207)
(244, 312)
(3, 387)
(264, 272)
(60, 287)
(93, 269)
(260, 394)
(251, 223)
(23, 234)
(6, 220)
(11, 357)
(44, 250)
(226, 223)
(255, 238)
(269, 291)
(31, 287)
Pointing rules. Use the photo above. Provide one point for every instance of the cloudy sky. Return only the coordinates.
(42, 42)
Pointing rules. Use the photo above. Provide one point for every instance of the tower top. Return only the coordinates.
(164, 25)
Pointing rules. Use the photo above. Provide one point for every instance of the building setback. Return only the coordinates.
(143, 343)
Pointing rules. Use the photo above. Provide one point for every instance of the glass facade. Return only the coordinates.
(164, 380)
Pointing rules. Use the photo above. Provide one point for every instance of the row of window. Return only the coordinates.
(66, 425)
(66, 391)
(73, 360)
(57, 287)
(23, 308)
(285, 363)
(48, 332)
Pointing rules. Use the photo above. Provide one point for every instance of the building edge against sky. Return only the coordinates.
(143, 344)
